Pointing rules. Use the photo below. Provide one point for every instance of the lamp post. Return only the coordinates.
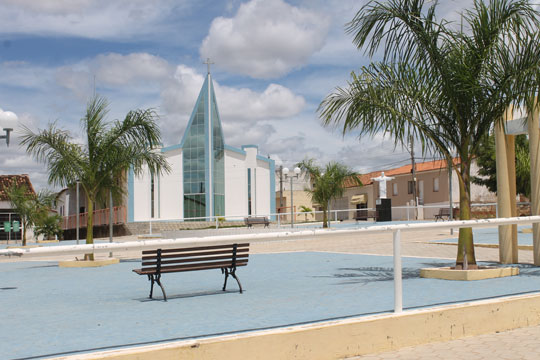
(7, 131)
(296, 174)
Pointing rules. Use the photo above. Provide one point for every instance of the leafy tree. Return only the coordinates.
(328, 182)
(488, 168)
(99, 164)
(30, 206)
(305, 210)
(24, 202)
(49, 226)
(443, 83)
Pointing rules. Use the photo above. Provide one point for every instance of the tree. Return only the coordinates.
(109, 152)
(328, 182)
(25, 203)
(442, 83)
(305, 210)
(485, 159)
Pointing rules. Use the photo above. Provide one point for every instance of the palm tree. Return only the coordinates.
(110, 150)
(328, 182)
(444, 84)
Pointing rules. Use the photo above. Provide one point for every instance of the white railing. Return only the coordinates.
(227, 239)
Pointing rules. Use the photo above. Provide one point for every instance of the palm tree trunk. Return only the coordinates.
(90, 226)
(24, 226)
(465, 234)
(325, 218)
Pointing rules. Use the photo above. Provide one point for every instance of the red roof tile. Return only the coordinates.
(7, 180)
(405, 169)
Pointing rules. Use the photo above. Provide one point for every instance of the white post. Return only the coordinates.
(398, 288)
(150, 227)
(110, 220)
(278, 220)
(77, 211)
(217, 224)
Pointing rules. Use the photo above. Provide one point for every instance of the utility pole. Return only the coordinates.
(281, 187)
(413, 170)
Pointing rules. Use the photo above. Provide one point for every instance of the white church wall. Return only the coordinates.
(262, 198)
(141, 196)
(235, 184)
(171, 188)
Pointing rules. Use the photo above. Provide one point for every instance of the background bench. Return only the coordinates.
(364, 214)
(443, 212)
(250, 221)
(162, 261)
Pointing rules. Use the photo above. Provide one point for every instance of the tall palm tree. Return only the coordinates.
(443, 83)
(328, 182)
(110, 150)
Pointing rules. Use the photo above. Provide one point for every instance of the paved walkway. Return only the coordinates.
(519, 344)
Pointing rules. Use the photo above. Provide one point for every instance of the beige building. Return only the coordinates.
(432, 191)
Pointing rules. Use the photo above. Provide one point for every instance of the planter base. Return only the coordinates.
(482, 273)
(88, 263)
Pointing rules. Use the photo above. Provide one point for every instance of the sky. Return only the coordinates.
(274, 62)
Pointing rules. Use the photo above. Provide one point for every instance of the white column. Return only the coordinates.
(534, 137)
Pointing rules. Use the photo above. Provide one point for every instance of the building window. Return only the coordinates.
(410, 187)
(394, 189)
(436, 184)
(249, 190)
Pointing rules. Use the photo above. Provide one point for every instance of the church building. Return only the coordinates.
(208, 178)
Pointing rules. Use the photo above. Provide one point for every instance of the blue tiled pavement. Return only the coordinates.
(491, 236)
(49, 310)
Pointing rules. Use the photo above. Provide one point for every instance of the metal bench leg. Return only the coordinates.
(161, 286)
(151, 278)
(226, 271)
(233, 273)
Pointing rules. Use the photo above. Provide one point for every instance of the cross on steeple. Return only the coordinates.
(208, 63)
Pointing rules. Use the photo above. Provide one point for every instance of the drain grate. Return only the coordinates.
(8, 288)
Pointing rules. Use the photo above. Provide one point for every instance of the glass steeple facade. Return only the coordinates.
(204, 158)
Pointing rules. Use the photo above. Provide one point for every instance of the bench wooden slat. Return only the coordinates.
(195, 254)
(198, 259)
(191, 267)
(197, 248)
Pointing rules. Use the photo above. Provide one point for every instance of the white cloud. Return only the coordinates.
(241, 109)
(86, 18)
(265, 39)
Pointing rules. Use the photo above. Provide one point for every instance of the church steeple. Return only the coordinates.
(203, 157)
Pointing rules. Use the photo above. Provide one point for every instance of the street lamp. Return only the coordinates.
(7, 130)
(296, 174)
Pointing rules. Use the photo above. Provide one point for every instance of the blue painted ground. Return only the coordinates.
(50, 310)
(491, 236)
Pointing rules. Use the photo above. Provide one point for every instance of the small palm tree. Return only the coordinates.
(305, 210)
(109, 152)
(328, 182)
(24, 202)
(441, 84)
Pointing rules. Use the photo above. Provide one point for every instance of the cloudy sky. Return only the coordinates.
(275, 61)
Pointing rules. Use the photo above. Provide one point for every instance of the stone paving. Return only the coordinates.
(519, 344)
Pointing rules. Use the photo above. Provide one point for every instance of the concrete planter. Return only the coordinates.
(447, 273)
(88, 263)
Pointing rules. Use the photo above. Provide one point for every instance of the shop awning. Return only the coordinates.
(359, 199)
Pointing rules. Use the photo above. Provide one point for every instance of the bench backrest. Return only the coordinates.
(444, 211)
(256, 220)
(195, 258)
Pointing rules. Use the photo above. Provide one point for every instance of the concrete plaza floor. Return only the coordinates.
(49, 310)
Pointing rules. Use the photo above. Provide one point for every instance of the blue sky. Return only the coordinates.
(275, 61)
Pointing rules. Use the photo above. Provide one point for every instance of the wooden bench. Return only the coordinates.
(162, 261)
(364, 214)
(250, 221)
(443, 212)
